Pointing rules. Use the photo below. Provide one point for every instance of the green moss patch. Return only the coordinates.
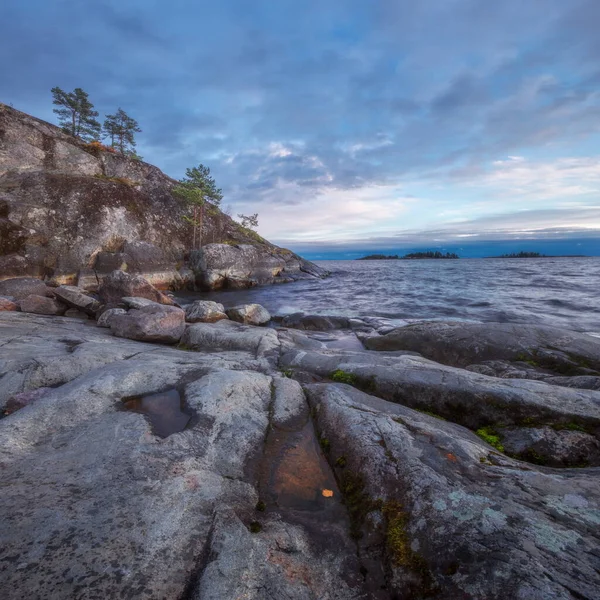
(490, 435)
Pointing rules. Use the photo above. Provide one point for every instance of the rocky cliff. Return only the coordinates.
(72, 213)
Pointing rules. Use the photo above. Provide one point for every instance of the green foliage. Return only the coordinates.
(489, 435)
(358, 502)
(430, 254)
(340, 376)
(261, 506)
(569, 427)
(76, 114)
(341, 462)
(287, 373)
(379, 257)
(255, 527)
(120, 129)
(325, 444)
(522, 255)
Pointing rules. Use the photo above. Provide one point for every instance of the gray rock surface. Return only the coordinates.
(76, 298)
(21, 287)
(249, 314)
(105, 318)
(119, 285)
(461, 344)
(231, 336)
(315, 322)
(75, 313)
(204, 311)
(152, 323)
(449, 517)
(464, 397)
(42, 305)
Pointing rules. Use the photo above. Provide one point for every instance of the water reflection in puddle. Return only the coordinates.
(164, 411)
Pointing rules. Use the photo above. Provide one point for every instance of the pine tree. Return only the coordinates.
(197, 188)
(120, 128)
(76, 114)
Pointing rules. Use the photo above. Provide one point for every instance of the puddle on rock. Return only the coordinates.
(164, 411)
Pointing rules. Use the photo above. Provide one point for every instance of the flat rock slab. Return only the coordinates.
(76, 298)
(21, 287)
(42, 305)
(459, 520)
(461, 344)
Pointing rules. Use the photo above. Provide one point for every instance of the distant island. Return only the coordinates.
(521, 255)
(411, 256)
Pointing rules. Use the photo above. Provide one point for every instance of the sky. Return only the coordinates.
(347, 125)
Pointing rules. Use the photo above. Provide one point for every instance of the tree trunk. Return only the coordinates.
(200, 225)
(194, 234)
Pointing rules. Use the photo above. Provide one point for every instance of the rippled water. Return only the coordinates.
(553, 291)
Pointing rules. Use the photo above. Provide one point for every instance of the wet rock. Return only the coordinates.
(461, 344)
(8, 303)
(120, 285)
(42, 305)
(74, 313)
(105, 318)
(204, 311)
(153, 323)
(554, 448)
(76, 298)
(249, 314)
(231, 336)
(21, 287)
(449, 517)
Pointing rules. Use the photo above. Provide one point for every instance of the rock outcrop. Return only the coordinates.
(72, 213)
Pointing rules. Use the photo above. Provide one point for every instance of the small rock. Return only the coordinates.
(204, 311)
(249, 314)
(154, 323)
(314, 322)
(120, 285)
(76, 298)
(73, 313)
(105, 318)
(21, 287)
(8, 303)
(42, 305)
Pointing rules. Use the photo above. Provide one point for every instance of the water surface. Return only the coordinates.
(552, 291)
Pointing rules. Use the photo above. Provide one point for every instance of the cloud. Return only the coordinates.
(409, 109)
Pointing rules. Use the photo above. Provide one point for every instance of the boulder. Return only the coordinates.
(204, 311)
(218, 266)
(461, 344)
(42, 305)
(132, 302)
(8, 303)
(228, 335)
(120, 285)
(77, 299)
(249, 314)
(105, 318)
(21, 287)
(447, 516)
(551, 447)
(314, 322)
(153, 323)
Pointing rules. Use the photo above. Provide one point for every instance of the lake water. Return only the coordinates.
(563, 292)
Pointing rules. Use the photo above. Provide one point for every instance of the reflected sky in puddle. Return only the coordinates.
(164, 411)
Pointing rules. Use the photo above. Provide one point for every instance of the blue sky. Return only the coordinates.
(345, 124)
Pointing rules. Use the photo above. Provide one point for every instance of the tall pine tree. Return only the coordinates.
(120, 129)
(197, 188)
(76, 113)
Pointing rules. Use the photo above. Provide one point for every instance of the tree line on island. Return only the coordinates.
(412, 255)
(77, 117)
